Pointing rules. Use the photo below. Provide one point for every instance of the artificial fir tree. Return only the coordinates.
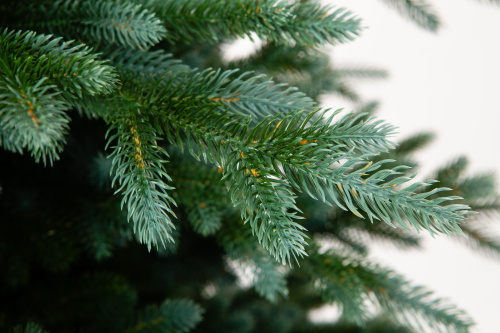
(138, 170)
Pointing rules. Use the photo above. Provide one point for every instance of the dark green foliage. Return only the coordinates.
(171, 316)
(29, 328)
(220, 172)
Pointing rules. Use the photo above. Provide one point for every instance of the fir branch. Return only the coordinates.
(318, 25)
(94, 107)
(314, 84)
(267, 198)
(361, 135)
(347, 277)
(264, 164)
(349, 240)
(243, 95)
(32, 117)
(379, 199)
(118, 22)
(419, 11)
(208, 133)
(272, 159)
(306, 165)
(121, 22)
(281, 22)
(404, 301)
(145, 62)
(139, 172)
(259, 97)
(73, 69)
(252, 182)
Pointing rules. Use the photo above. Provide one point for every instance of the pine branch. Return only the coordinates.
(263, 165)
(347, 278)
(72, 68)
(118, 22)
(32, 117)
(209, 134)
(380, 200)
(318, 25)
(139, 172)
(399, 297)
(243, 95)
(41, 76)
(280, 22)
(145, 62)
(419, 11)
(246, 167)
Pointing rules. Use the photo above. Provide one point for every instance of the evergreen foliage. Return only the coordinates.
(221, 168)
(419, 11)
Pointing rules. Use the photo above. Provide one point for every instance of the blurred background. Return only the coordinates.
(447, 83)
